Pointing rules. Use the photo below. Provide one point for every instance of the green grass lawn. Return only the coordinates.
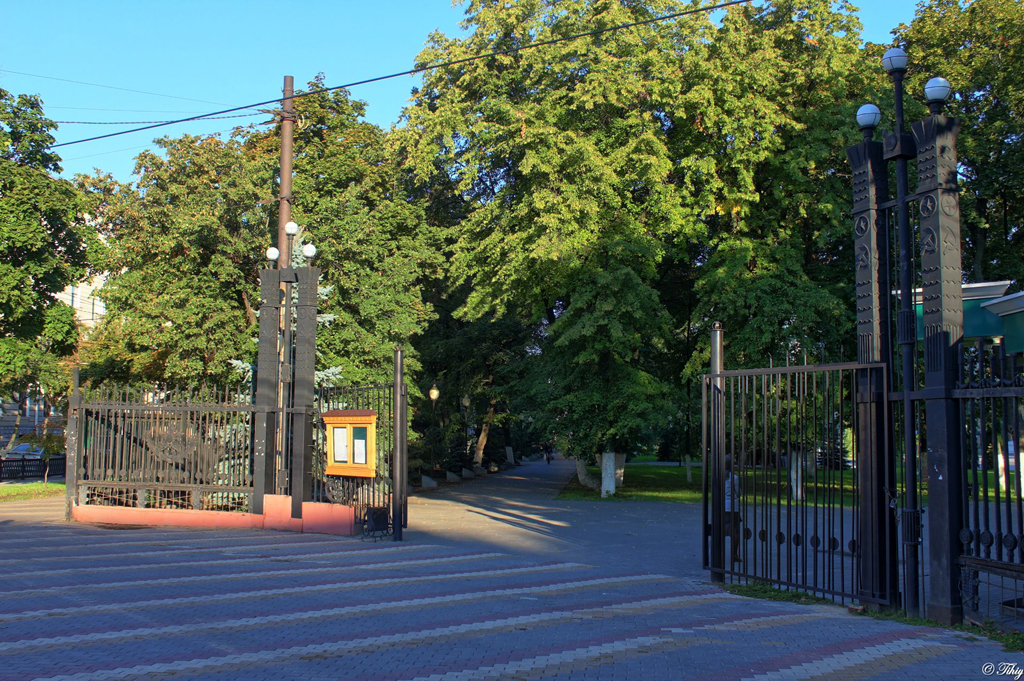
(30, 490)
(668, 483)
(642, 483)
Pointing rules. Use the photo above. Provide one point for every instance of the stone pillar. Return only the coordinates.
(942, 303)
(266, 378)
(302, 396)
(878, 550)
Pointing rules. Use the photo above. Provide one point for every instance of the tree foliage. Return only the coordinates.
(44, 247)
(188, 239)
(977, 46)
(624, 190)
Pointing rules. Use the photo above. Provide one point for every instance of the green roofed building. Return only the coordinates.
(988, 313)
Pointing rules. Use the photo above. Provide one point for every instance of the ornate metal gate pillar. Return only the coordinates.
(301, 411)
(878, 555)
(264, 443)
(942, 303)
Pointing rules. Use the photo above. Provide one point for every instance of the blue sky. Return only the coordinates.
(227, 53)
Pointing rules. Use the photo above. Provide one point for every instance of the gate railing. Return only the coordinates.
(361, 493)
(991, 399)
(165, 449)
(990, 395)
(785, 486)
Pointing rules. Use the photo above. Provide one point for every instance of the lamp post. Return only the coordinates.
(899, 146)
(465, 411)
(434, 394)
(933, 144)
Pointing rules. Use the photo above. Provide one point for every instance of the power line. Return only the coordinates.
(108, 87)
(118, 151)
(412, 72)
(201, 118)
(87, 108)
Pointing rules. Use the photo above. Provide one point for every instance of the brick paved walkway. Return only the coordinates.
(497, 581)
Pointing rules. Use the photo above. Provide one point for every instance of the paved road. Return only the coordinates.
(497, 581)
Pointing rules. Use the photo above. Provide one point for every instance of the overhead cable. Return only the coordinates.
(411, 72)
(108, 87)
(199, 118)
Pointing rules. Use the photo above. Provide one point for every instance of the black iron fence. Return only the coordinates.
(23, 469)
(990, 394)
(783, 482)
(8, 431)
(371, 497)
(166, 449)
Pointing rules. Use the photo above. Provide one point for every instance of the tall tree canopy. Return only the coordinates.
(186, 241)
(979, 45)
(44, 244)
(188, 238)
(624, 190)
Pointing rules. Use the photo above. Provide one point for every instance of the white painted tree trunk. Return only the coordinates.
(608, 474)
(796, 475)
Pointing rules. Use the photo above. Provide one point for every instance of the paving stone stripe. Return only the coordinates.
(263, 593)
(226, 561)
(346, 646)
(850, 645)
(276, 548)
(544, 662)
(396, 564)
(362, 608)
(755, 623)
(893, 652)
(183, 540)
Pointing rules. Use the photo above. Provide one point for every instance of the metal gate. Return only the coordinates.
(990, 395)
(790, 476)
(373, 498)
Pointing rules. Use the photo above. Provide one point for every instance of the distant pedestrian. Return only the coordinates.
(732, 508)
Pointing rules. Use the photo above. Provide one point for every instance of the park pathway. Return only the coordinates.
(497, 580)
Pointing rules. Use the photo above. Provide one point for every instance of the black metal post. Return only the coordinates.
(899, 146)
(265, 441)
(878, 556)
(301, 411)
(404, 467)
(942, 301)
(397, 459)
(717, 436)
(72, 438)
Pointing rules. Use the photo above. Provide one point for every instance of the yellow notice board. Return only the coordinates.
(351, 442)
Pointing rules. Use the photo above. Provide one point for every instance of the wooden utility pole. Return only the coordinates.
(284, 201)
(284, 262)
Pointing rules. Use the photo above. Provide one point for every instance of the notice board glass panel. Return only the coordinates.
(359, 445)
(341, 444)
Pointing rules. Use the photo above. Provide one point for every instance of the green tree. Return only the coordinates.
(188, 238)
(359, 209)
(44, 247)
(625, 190)
(186, 241)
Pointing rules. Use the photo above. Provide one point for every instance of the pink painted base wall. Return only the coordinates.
(316, 517)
